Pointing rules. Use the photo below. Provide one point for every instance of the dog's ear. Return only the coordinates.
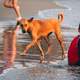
(31, 19)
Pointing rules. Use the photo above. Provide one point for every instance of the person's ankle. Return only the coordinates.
(19, 18)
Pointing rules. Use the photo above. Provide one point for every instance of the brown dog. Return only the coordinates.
(42, 28)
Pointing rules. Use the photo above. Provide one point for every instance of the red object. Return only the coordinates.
(73, 52)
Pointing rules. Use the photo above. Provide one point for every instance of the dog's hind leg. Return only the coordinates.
(60, 39)
(48, 53)
(49, 45)
(42, 52)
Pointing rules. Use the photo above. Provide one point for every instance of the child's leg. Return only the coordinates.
(13, 4)
(16, 8)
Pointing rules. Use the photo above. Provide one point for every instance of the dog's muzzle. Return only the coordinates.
(21, 25)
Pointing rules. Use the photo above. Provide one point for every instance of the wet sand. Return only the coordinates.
(29, 8)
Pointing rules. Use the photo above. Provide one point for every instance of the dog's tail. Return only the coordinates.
(61, 17)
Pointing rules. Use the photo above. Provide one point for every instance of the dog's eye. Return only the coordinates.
(25, 24)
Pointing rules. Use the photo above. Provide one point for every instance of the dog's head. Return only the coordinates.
(24, 24)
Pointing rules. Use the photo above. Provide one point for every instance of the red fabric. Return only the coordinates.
(73, 52)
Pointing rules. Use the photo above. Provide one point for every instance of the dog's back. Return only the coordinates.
(47, 25)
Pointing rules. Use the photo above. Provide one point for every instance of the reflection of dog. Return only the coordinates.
(42, 28)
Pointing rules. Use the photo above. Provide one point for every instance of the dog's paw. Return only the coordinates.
(23, 54)
(64, 56)
(42, 61)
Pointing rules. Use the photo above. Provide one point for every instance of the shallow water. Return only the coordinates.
(38, 71)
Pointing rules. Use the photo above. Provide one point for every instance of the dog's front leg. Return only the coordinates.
(29, 46)
(42, 52)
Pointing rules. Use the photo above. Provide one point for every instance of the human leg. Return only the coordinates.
(16, 8)
(8, 3)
